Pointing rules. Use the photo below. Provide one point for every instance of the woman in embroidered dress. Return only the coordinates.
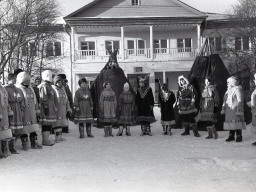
(127, 106)
(166, 102)
(16, 102)
(252, 104)
(107, 105)
(144, 103)
(5, 111)
(209, 104)
(62, 108)
(233, 109)
(83, 107)
(48, 108)
(31, 111)
(186, 105)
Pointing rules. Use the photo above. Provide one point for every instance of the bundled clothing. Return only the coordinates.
(253, 109)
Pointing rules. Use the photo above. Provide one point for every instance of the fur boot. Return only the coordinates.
(24, 141)
(34, 143)
(214, 131)
(106, 131)
(46, 140)
(143, 130)
(165, 129)
(110, 131)
(209, 133)
(128, 133)
(6, 150)
(120, 131)
(195, 131)
(2, 155)
(149, 130)
(187, 129)
(89, 131)
(81, 131)
(169, 130)
(11, 147)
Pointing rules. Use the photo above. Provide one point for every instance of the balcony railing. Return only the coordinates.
(137, 54)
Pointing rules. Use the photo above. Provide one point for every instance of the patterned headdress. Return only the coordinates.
(233, 80)
(47, 75)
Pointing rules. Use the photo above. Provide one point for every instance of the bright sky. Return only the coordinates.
(212, 6)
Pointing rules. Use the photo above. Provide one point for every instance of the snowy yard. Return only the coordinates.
(144, 164)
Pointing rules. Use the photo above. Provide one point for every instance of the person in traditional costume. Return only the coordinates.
(83, 106)
(108, 106)
(62, 108)
(233, 103)
(31, 111)
(17, 104)
(65, 129)
(208, 107)
(166, 102)
(252, 104)
(37, 82)
(186, 98)
(126, 110)
(5, 112)
(144, 102)
(48, 107)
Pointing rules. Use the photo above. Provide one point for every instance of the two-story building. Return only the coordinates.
(159, 38)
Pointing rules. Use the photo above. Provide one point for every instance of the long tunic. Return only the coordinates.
(210, 100)
(144, 103)
(233, 109)
(5, 111)
(108, 104)
(253, 107)
(62, 107)
(31, 110)
(48, 107)
(17, 104)
(84, 104)
(127, 107)
(166, 101)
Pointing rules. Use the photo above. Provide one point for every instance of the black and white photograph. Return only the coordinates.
(127, 95)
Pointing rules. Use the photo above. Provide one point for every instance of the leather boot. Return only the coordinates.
(46, 141)
(148, 130)
(89, 131)
(231, 136)
(6, 150)
(128, 133)
(195, 131)
(214, 131)
(165, 129)
(239, 138)
(61, 138)
(209, 133)
(110, 131)
(169, 130)
(57, 137)
(143, 130)
(106, 131)
(11, 147)
(81, 131)
(187, 129)
(2, 155)
(24, 141)
(120, 131)
(34, 143)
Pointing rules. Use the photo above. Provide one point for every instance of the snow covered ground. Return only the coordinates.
(140, 164)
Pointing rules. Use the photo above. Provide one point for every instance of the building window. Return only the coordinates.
(141, 47)
(135, 2)
(131, 47)
(53, 49)
(184, 45)
(29, 48)
(136, 47)
(242, 43)
(216, 43)
(112, 45)
(160, 46)
(88, 48)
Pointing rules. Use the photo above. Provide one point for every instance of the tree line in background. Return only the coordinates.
(25, 28)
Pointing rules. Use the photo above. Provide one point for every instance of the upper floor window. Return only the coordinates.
(53, 49)
(88, 47)
(136, 46)
(160, 46)
(29, 49)
(216, 43)
(242, 43)
(135, 2)
(112, 45)
(184, 45)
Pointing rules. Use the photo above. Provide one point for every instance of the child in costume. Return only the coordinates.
(31, 111)
(5, 111)
(108, 105)
(62, 108)
(48, 107)
(232, 107)
(186, 105)
(209, 104)
(126, 108)
(144, 103)
(83, 106)
(166, 102)
(17, 104)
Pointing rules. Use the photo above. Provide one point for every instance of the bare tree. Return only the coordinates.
(25, 27)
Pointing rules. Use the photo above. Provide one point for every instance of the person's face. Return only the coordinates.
(11, 81)
(84, 85)
(59, 83)
(108, 85)
(26, 82)
(37, 82)
(207, 82)
(142, 84)
(229, 84)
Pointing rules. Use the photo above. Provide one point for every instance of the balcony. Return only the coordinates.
(159, 54)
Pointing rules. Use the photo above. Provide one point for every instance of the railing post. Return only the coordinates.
(151, 43)
(122, 43)
(198, 36)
